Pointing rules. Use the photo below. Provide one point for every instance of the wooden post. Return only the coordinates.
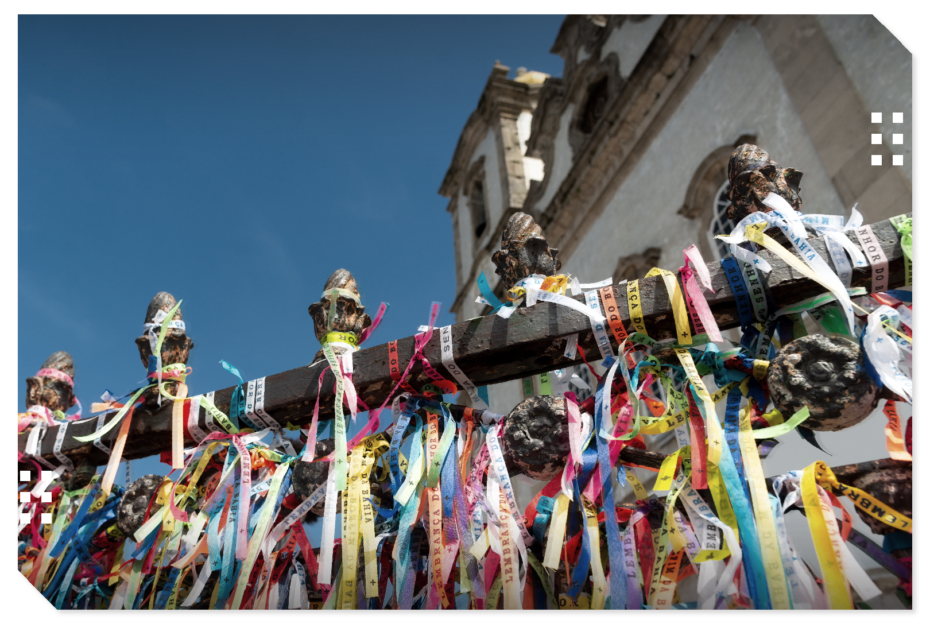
(487, 349)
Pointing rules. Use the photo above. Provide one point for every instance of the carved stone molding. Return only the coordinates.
(680, 51)
(543, 131)
(635, 266)
(594, 90)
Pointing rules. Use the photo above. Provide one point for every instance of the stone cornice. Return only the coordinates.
(501, 98)
(678, 54)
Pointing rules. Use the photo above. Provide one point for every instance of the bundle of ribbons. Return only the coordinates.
(429, 512)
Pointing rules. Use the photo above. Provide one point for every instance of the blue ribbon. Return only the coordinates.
(162, 598)
(237, 401)
(580, 572)
(54, 584)
(488, 294)
(78, 520)
(904, 296)
(447, 474)
(618, 589)
(752, 552)
(397, 439)
(740, 292)
(66, 586)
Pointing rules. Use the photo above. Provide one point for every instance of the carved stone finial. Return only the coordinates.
(524, 251)
(308, 477)
(891, 485)
(177, 345)
(753, 176)
(340, 307)
(130, 513)
(827, 374)
(52, 391)
(535, 437)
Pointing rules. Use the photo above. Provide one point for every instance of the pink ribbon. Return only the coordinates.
(595, 485)
(701, 315)
(57, 374)
(574, 426)
(366, 333)
(420, 341)
(62, 376)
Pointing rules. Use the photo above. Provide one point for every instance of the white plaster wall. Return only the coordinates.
(630, 41)
(532, 166)
(494, 202)
(561, 159)
(740, 92)
(581, 55)
(880, 68)
(505, 396)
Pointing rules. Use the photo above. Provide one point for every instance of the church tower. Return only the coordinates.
(489, 178)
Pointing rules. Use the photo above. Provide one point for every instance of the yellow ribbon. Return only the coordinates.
(677, 300)
(831, 563)
(867, 503)
(768, 540)
(341, 337)
(635, 303)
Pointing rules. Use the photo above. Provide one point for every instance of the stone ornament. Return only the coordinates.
(130, 513)
(340, 309)
(753, 176)
(307, 477)
(827, 374)
(892, 485)
(49, 390)
(524, 252)
(535, 437)
(53, 391)
(177, 345)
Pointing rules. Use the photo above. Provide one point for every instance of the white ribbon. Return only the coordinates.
(884, 354)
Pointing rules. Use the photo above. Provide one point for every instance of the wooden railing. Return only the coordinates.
(488, 350)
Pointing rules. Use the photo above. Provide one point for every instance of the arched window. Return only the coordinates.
(594, 106)
(719, 223)
(479, 212)
(706, 200)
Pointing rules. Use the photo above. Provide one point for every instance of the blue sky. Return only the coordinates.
(236, 162)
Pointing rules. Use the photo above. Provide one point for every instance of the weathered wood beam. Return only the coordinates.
(488, 350)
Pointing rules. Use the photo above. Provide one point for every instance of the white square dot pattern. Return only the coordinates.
(48, 474)
(876, 138)
(897, 138)
(25, 496)
(896, 117)
(46, 518)
(23, 519)
(46, 498)
(876, 160)
(897, 160)
(876, 117)
(25, 475)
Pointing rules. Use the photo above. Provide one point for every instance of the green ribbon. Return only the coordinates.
(780, 429)
(543, 578)
(904, 224)
(344, 337)
(115, 419)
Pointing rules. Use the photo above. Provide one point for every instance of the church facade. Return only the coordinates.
(623, 159)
